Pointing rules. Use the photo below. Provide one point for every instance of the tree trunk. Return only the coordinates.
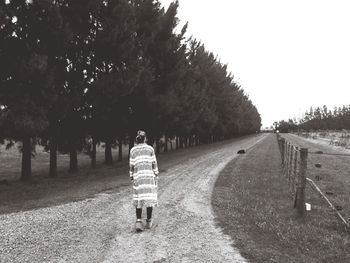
(197, 140)
(177, 142)
(186, 141)
(53, 157)
(108, 153)
(73, 158)
(165, 143)
(26, 173)
(190, 140)
(180, 142)
(157, 146)
(120, 149)
(131, 144)
(93, 153)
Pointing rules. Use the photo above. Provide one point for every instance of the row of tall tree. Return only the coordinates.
(319, 118)
(322, 118)
(77, 73)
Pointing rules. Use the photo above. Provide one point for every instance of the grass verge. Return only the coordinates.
(253, 205)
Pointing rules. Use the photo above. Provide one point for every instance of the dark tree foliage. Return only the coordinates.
(156, 100)
(223, 108)
(77, 73)
(115, 73)
(321, 118)
(31, 37)
(78, 55)
(286, 126)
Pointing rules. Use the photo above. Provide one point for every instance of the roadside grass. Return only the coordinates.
(253, 205)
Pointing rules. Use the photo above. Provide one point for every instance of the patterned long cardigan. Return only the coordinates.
(144, 170)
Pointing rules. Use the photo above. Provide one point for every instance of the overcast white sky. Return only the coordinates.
(287, 55)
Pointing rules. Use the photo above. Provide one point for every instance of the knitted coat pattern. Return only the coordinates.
(144, 169)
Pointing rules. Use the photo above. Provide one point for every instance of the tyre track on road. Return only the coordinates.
(184, 228)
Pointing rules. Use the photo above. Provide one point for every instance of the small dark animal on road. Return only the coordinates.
(4, 182)
(241, 151)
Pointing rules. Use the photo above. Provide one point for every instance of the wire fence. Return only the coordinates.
(294, 164)
(331, 154)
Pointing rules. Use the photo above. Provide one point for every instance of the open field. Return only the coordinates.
(10, 161)
(333, 175)
(253, 205)
(335, 138)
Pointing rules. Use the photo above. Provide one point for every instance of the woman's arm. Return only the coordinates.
(154, 164)
(131, 166)
(131, 172)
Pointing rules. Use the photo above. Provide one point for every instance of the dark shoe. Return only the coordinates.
(148, 223)
(138, 226)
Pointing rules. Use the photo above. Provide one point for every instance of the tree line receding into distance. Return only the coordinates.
(318, 118)
(77, 73)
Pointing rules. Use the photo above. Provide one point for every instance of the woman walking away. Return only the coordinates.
(144, 174)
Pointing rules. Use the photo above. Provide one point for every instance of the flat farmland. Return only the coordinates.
(330, 171)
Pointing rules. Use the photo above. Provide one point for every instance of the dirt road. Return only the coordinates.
(101, 228)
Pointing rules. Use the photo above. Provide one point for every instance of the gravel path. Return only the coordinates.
(101, 228)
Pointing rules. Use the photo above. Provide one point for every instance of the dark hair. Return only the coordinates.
(141, 137)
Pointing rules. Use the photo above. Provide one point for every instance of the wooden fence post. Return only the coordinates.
(282, 149)
(285, 152)
(287, 159)
(295, 165)
(300, 194)
(290, 159)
